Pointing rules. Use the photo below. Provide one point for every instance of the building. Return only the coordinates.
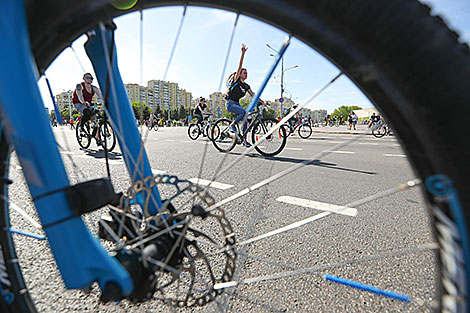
(217, 103)
(319, 115)
(159, 93)
(64, 99)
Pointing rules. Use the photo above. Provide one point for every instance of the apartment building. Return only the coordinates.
(217, 103)
(64, 99)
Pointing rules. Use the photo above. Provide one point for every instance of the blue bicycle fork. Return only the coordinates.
(80, 257)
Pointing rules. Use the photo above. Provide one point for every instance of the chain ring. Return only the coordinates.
(196, 260)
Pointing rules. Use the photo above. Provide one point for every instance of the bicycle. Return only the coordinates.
(153, 125)
(304, 129)
(338, 30)
(106, 137)
(225, 140)
(204, 128)
(380, 129)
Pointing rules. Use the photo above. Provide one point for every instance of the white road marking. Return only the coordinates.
(341, 152)
(369, 143)
(294, 149)
(169, 140)
(187, 141)
(115, 162)
(395, 155)
(332, 141)
(214, 184)
(158, 172)
(318, 205)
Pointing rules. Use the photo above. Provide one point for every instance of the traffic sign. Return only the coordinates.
(281, 100)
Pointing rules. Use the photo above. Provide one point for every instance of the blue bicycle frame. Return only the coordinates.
(80, 257)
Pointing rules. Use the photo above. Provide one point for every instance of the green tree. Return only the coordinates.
(139, 109)
(343, 111)
(269, 113)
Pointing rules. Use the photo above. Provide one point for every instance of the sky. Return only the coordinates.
(201, 50)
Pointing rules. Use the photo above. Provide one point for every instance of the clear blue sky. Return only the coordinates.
(202, 47)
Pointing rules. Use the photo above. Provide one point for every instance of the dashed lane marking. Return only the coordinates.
(322, 206)
(340, 152)
(214, 184)
(395, 155)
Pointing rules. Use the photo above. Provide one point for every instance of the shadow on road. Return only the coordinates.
(99, 154)
(314, 163)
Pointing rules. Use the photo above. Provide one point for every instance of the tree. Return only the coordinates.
(343, 111)
(139, 109)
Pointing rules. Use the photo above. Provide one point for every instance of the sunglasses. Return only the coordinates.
(89, 77)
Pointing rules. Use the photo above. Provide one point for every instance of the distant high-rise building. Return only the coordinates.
(64, 99)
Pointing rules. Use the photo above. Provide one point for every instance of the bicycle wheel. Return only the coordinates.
(155, 127)
(379, 131)
(194, 131)
(377, 44)
(83, 136)
(274, 143)
(224, 140)
(107, 135)
(208, 131)
(305, 131)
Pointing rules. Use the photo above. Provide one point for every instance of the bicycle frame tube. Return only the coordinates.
(79, 256)
(120, 110)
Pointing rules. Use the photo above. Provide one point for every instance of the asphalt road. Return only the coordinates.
(365, 244)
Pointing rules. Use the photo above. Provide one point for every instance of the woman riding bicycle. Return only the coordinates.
(82, 100)
(237, 90)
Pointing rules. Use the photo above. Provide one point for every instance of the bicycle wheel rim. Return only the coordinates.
(83, 139)
(193, 131)
(274, 143)
(108, 136)
(305, 131)
(422, 135)
(223, 139)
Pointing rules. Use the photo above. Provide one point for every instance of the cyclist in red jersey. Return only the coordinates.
(82, 100)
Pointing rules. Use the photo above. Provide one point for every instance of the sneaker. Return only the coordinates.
(98, 142)
(246, 144)
(233, 129)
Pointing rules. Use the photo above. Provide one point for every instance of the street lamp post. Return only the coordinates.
(282, 74)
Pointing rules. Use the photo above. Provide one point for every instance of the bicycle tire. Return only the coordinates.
(107, 134)
(223, 139)
(376, 55)
(278, 134)
(379, 132)
(208, 130)
(155, 128)
(194, 131)
(305, 131)
(83, 137)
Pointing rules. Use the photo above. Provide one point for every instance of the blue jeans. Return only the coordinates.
(235, 107)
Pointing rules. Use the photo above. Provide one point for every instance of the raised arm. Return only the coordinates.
(240, 64)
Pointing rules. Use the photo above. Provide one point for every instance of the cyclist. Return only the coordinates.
(294, 119)
(373, 119)
(82, 101)
(199, 110)
(237, 90)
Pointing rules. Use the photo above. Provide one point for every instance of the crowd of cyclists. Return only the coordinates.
(237, 88)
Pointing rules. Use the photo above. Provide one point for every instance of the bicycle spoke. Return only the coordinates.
(293, 168)
(222, 171)
(178, 33)
(316, 269)
(399, 188)
(228, 51)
